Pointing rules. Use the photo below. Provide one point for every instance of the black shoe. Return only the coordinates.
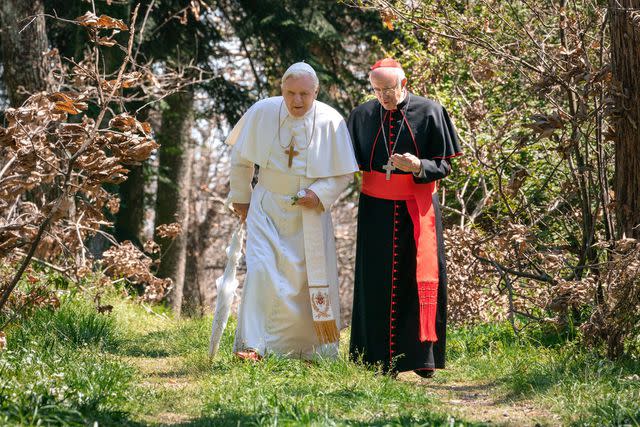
(425, 373)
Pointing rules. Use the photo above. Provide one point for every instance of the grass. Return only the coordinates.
(54, 371)
(290, 392)
(76, 323)
(138, 366)
(276, 391)
(577, 385)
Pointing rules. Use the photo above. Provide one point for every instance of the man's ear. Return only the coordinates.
(403, 82)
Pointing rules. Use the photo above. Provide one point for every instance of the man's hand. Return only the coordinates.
(241, 209)
(310, 200)
(406, 162)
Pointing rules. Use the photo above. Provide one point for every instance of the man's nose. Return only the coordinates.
(297, 99)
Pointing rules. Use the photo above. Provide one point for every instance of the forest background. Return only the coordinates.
(113, 171)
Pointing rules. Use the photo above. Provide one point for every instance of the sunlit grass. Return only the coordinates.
(55, 370)
(139, 366)
(277, 390)
(578, 385)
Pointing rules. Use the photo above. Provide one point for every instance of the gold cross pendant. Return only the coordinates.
(291, 152)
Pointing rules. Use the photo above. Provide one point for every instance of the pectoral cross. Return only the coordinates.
(291, 152)
(389, 167)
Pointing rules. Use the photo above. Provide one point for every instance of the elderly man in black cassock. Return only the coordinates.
(403, 144)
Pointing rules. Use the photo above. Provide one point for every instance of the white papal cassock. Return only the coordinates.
(288, 246)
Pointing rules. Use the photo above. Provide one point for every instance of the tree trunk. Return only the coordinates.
(625, 60)
(193, 295)
(174, 182)
(200, 280)
(129, 222)
(130, 218)
(25, 67)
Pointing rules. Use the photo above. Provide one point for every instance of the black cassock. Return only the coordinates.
(385, 320)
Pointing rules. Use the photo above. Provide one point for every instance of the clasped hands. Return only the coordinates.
(406, 162)
(309, 201)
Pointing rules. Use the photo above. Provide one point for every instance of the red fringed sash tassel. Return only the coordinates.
(420, 207)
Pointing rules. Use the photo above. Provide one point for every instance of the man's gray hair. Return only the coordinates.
(300, 69)
(399, 72)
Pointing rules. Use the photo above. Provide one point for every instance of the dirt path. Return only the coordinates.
(167, 377)
(471, 401)
(485, 403)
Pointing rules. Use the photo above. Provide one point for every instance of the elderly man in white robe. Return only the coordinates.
(290, 303)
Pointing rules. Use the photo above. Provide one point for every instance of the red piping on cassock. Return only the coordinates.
(418, 198)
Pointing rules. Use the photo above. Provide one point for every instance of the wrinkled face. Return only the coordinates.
(385, 84)
(299, 93)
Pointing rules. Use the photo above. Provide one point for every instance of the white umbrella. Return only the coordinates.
(226, 286)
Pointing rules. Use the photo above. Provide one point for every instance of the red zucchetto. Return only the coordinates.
(386, 62)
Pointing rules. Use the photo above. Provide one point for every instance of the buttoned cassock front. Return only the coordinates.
(386, 317)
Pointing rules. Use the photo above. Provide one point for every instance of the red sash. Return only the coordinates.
(420, 207)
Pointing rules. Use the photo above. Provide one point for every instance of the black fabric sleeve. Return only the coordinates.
(442, 137)
(441, 144)
(432, 170)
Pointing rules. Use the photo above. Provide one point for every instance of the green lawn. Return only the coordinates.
(138, 366)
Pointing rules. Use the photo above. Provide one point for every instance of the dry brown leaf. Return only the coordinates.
(89, 19)
(388, 17)
(195, 8)
(67, 108)
(114, 205)
(151, 247)
(106, 41)
(123, 122)
(67, 102)
(169, 231)
(183, 18)
(126, 260)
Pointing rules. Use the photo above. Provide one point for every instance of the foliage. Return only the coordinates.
(531, 89)
(332, 38)
(36, 290)
(127, 261)
(60, 149)
(469, 299)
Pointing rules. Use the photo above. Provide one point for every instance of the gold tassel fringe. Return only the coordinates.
(327, 331)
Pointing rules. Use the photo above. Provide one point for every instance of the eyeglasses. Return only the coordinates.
(385, 90)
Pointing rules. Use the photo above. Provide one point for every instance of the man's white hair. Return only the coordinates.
(300, 69)
(399, 72)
